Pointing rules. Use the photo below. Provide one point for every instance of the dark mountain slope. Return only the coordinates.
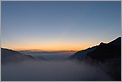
(81, 54)
(8, 55)
(107, 56)
(110, 57)
(104, 52)
(116, 42)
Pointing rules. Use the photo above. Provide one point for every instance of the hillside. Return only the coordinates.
(105, 55)
(8, 55)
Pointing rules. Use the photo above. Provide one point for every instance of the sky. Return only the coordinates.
(59, 25)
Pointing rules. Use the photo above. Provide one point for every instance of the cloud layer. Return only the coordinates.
(52, 71)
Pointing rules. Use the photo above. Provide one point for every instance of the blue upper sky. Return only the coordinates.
(59, 25)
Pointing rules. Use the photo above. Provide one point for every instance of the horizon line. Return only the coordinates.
(40, 50)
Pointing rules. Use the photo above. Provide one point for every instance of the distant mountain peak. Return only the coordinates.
(101, 43)
(82, 53)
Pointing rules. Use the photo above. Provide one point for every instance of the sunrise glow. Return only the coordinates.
(50, 26)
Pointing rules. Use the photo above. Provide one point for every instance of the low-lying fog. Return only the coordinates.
(63, 70)
(55, 55)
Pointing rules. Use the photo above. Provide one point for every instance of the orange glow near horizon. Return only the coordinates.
(45, 48)
(49, 47)
(55, 45)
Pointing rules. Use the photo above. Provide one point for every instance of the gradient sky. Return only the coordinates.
(59, 25)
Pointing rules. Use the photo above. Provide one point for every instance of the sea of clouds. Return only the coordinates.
(63, 70)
